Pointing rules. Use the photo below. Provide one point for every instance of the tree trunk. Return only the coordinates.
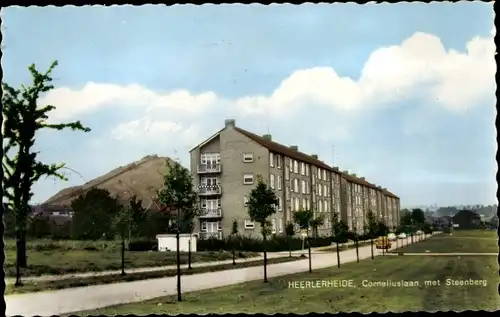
(338, 254)
(234, 255)
(189, 255)
(123, 253)
(289, 247)
(18, 265)
(265, 257)
(177, 236)
(23, 259)
(371, 243)
(309, 247)
(357, 251)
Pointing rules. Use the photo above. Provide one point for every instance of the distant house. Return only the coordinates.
(58, 214)
(467, 219)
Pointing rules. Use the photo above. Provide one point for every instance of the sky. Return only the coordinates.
(402, 94)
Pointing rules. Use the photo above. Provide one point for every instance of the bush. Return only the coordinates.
(143, 245)
(65, 245)
(274, 244)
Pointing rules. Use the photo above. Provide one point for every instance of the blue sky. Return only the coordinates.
(402, 94)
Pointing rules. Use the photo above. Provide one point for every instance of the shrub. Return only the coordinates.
(276, 243)
(143, 245)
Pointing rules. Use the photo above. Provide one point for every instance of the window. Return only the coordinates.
(280, 204)
(308, 204)
(287, 174)
(297, 203)
(278, 161)
(320, 206)
(245, 201)
(271, 159)
(291, 185)
(304, 204)
(296, 182)
(319, 173)
(247, 157)
(273, 223)
(292, 205)
(247, 179)
(307, 169)
(291, 164)
(295, 167)
(319, 189)
(249, 224)
(324, 175)
(303, 186)
(280, 225)
(302, 168)
(203, 226)
(279, 182)
(326, 206)
(325, 191)
(271, 178)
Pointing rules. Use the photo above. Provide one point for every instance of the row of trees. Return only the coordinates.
(262, 205)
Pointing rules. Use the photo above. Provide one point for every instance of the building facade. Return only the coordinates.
(226, 167)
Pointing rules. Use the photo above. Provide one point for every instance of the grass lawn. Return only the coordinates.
(278, 297)
(465, 241)
(29, 287)
(60, 261)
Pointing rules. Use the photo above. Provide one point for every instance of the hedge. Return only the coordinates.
(249, 244)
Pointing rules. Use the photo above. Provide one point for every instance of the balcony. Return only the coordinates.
(211, 213)
(209, 190)
(210, 235)
(209, 168)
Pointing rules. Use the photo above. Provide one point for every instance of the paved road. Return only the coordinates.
(97, 296)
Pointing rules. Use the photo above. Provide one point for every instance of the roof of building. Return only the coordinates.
(284, 150)
(388, 193)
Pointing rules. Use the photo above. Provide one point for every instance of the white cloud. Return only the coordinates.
(420, 67)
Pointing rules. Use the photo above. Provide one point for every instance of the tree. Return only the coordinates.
(290, 232)
(139, 218)
(234, 233)
(39, 227)
(371, 228)
(94, 212)
(418, 218)
(23, 118)
(339, 233)
(122, 224)
(262, 204)
(305, 218)
(317, 222)
(180, 199)
(354, 235)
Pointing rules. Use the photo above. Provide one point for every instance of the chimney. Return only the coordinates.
(294, 147)
(314, 156)
(353, 174)
(230, 123)
(268, 137)
(363, 179)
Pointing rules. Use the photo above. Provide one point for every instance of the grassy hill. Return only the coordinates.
(141, 178)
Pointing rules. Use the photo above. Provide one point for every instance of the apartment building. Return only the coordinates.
(225, 168)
